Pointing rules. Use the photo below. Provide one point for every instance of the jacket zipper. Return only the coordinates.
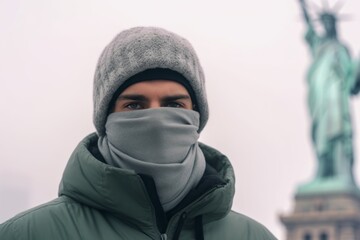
(183, 216)
(160, 216)
(180, 225)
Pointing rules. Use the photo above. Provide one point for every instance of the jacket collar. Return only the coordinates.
(122, 193)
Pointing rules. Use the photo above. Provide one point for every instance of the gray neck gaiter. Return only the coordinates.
(161, 143)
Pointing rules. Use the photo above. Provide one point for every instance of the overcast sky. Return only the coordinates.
(254, 59)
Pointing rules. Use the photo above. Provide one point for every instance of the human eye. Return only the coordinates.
(133, 106)
(174, 105)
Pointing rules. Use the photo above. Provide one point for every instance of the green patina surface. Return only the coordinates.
(332, 78)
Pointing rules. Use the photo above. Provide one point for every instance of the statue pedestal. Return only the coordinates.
(324, 216)
(327, 186)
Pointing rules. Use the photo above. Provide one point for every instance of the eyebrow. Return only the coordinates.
(137, 97)
(176, 97)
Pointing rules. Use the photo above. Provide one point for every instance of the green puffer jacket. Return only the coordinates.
(97, 201)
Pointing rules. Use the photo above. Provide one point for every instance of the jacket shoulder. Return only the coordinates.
(37, 219)
(238, 226)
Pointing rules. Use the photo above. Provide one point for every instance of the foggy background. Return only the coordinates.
(254, 59)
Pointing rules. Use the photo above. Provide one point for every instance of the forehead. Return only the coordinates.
(156, 86)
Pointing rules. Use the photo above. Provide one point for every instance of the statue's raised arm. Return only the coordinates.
(311, 36)
(306, 14)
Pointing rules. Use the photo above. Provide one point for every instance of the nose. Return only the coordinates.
(155, 104)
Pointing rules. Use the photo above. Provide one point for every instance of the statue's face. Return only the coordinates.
(329, 23)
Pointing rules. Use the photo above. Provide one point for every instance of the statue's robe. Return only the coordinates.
(331, 81)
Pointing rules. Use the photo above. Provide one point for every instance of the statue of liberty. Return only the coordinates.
(332, 78)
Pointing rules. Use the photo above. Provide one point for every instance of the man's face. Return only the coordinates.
(153, 94)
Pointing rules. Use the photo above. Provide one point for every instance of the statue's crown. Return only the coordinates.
(327, 15)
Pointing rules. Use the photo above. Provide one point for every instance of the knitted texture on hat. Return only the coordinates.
(137, 49)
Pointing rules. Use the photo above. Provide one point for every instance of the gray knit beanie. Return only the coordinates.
(136, 50)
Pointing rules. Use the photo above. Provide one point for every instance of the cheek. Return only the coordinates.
(189, 106)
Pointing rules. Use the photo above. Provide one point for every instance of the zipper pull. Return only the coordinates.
(163, 236)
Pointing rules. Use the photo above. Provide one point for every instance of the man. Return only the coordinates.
(143, 175)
